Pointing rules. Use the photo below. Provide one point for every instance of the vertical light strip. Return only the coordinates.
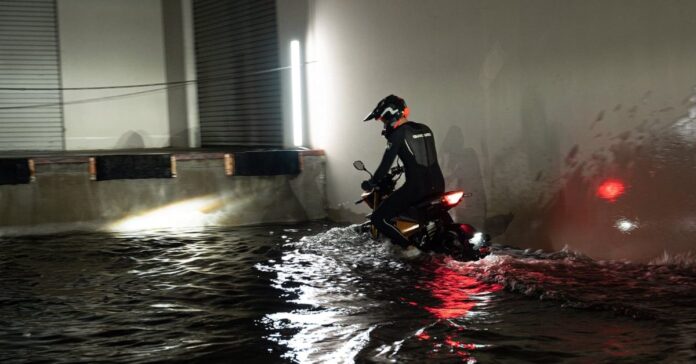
(296, 92)
(192, 115)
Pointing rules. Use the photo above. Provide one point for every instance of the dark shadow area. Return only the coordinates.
(130, 139)
(462, 171)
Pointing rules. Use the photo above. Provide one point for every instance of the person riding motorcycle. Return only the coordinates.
(414, 144)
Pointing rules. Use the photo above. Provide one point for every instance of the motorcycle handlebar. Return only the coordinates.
(396, 170)
(389, 178)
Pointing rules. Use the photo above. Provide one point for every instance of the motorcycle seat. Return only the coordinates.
(417, 211)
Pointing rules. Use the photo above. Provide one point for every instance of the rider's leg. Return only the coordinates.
(391, 207)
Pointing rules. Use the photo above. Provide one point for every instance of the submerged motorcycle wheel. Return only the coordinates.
(457, 242)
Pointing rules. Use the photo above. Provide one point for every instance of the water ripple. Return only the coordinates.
(312, 294)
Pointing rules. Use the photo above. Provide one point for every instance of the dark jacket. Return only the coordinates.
(414, 144)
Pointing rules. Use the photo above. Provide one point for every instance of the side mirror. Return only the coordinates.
(359, 165)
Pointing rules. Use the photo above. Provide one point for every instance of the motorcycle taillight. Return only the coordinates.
(452, 198)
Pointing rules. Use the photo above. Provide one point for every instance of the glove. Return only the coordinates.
(367, 185)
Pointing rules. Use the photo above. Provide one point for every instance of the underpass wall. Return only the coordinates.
(63, 198)
(534, 106)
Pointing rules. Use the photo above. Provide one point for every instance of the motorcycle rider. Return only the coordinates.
(414, 144)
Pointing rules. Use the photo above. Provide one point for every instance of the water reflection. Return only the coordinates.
(246, 295)
(353, 298)
(457, 291)
(458, 294)
(326, 324)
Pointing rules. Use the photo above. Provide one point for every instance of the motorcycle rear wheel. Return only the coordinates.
(457, 243)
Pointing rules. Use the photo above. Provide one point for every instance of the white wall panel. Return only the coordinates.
(113, 43)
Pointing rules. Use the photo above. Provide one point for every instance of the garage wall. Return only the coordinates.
(30, 100)
(113, 43)
(239, 91)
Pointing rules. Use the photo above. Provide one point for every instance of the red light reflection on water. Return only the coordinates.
(423, 336)
(458, 344)
(454, 290)
(457, 293)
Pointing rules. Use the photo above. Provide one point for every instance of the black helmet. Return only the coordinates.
(389, 109)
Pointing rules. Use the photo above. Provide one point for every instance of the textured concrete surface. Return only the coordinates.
(534, 105)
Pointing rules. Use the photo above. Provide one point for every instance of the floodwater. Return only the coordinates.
(313, 293)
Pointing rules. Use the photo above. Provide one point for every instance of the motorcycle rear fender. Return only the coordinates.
(467, 229)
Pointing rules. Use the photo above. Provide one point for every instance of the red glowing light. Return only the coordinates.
(453, 198)
(611, 189)
(423, 336)
(458, 344)
(454, 290)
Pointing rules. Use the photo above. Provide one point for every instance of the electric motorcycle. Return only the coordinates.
(427, 224)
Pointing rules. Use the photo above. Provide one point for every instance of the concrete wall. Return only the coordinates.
(184, 126)
(64, 198)
(113, 43)
(533, 104)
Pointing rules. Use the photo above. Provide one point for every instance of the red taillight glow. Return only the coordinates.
(453, 198)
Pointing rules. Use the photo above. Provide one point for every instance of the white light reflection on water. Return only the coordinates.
(326, 334)
(352, 304)
(217, 296)
(319, 330)
(348, 299)
(329, 320)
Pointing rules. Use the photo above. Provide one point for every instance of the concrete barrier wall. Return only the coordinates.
(64, 198)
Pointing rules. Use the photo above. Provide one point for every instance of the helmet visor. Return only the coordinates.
(372, 115)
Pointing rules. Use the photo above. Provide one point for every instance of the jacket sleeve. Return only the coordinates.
(394, 142)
